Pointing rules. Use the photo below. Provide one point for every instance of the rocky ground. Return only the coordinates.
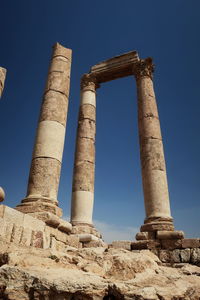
(92, 273)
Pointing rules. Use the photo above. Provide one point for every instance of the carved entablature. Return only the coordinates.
(89, 82)
(144, 68)
(116, 67)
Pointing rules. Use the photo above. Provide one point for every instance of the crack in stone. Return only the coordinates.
(55, 91)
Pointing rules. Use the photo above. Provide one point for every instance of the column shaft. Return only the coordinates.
(84, 164)
(47, 155)
(153, 167)
(2, 79)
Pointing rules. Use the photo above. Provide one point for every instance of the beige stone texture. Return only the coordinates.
(47, 217)
(2, 194)
(86, 129)
(16, 233)
(44, 178)
(58, 82)
(38, 206)
(141, 236)
(47, 155)
(65, 226)
(54, 108)
(33, 223)
(151, 153)
(86, 237)
(151, 147)
(171, 244)
(83, 179)
(2, 79)
(191, 243)
(121, 245)
(85, 151)
(82, 207)
(37, 239)
(166, 235)
(26, 237)
(159, 226)
(87, 112)
(149, 127)
(156, 193)
(49, 140)
(11, 215)
(88, 98)
(59, 50)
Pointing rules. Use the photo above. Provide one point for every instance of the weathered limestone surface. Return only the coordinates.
(95, 274)
(84, 164)
(151, 152)
(47, 155)
(2, 79)
(2, 194)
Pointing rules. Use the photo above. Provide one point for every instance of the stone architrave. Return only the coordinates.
(84, 164)
(154, 178)
(47, 155)
(2, 79)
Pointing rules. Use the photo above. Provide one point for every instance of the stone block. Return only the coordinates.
(2, 208)
(84, 238)
(46, 240)
(185, 255)
(139, 245)
(165, 256)
(121, 244)
(176, 256)
(73, 241)
(11, 215)
(65, 226)
(81, 229)
(195, 256)
(6, 230)
(16, 234)
(26, 237)
(94, 244)
(171, 244)
(166, 235)
(48, 218)
(37, 239)
(190, 243)
(35, 224)
(141, 236)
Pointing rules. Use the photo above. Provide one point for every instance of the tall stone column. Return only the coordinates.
(84, 164)
(47, 155)
(155, 187)
(2, 79)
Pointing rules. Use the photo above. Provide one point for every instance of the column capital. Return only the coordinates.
(144, 68)
(89, 82)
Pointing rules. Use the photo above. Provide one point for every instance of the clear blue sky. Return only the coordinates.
(97, 30)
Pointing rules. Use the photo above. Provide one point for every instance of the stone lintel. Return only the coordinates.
(116, 67)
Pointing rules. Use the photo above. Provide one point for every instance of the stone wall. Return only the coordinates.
(23, 229)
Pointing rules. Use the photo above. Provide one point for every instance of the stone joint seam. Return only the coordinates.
(41, 157)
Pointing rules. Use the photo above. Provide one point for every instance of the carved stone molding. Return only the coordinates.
(89, 82)
(144, 68)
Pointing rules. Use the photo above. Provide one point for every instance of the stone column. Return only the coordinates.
(84, 165)
(156, 197)
(47, 155)
(2, 79)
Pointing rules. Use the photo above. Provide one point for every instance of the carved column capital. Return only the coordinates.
(144, 68)
(89, 82)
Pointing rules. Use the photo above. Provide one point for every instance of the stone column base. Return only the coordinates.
(81, 228)
(34, 205)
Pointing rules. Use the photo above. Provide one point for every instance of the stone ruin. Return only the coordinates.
(37, 221)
